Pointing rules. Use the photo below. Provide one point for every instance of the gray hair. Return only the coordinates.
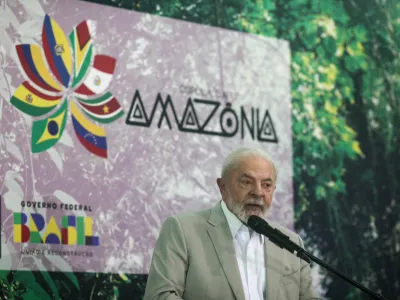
(233, 159)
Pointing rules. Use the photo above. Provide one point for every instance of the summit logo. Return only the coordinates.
(66, 72)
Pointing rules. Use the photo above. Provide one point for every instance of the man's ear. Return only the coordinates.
(221, 186)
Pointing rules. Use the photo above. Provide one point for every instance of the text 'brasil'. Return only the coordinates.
(74, 230)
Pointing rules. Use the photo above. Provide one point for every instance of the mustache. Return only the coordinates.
(254, 201)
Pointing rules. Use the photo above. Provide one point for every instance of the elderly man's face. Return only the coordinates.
(248, 189)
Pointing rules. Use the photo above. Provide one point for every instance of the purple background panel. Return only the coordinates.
(151, 172)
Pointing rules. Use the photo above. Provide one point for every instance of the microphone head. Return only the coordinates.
(254, 222)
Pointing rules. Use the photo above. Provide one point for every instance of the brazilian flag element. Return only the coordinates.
(104, 109)
(32, 102)
(47, 132)
(83, 51)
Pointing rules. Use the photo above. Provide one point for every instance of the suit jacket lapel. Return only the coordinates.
(222, 240)
(273, 260)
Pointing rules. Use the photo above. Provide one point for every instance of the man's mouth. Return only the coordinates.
(253, 206)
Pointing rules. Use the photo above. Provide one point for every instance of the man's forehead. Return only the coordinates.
(255, 163)
(255, 167)
(261, 175)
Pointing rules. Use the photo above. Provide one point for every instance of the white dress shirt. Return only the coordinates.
(249, 248)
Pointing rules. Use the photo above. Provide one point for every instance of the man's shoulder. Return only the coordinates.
(193, 218)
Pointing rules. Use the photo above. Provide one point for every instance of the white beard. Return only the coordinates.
(237, 208)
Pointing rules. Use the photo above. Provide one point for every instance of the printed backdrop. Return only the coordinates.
(114, 120)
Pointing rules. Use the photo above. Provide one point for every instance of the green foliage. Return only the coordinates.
(58, 285)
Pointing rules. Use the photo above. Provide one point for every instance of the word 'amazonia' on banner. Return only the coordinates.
(258, 123)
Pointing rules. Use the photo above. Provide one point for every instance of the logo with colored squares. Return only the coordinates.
(75, 230)
(66, 72)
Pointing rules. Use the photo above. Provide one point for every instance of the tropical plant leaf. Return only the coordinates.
(63, 266)
(34, 290)
(46, 275)
(56, 158)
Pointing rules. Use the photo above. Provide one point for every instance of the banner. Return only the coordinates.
(112, 120)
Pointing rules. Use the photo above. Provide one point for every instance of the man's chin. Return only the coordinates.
(245, 217)
(257, 212)
(243, 213)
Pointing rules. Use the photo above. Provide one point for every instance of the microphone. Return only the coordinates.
(276, 236)
(261, 226)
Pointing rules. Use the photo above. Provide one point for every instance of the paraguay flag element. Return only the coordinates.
(66, 64)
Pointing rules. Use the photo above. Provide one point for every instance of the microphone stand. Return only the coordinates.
(283, 241)
(302, 253)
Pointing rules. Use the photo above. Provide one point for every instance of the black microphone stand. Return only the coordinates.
(284, 242)
(302, 253)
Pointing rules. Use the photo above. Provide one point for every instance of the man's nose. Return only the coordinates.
(257, 190)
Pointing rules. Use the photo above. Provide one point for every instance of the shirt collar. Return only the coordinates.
(234, 223)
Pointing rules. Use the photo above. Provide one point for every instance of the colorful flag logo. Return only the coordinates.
(66, 66)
